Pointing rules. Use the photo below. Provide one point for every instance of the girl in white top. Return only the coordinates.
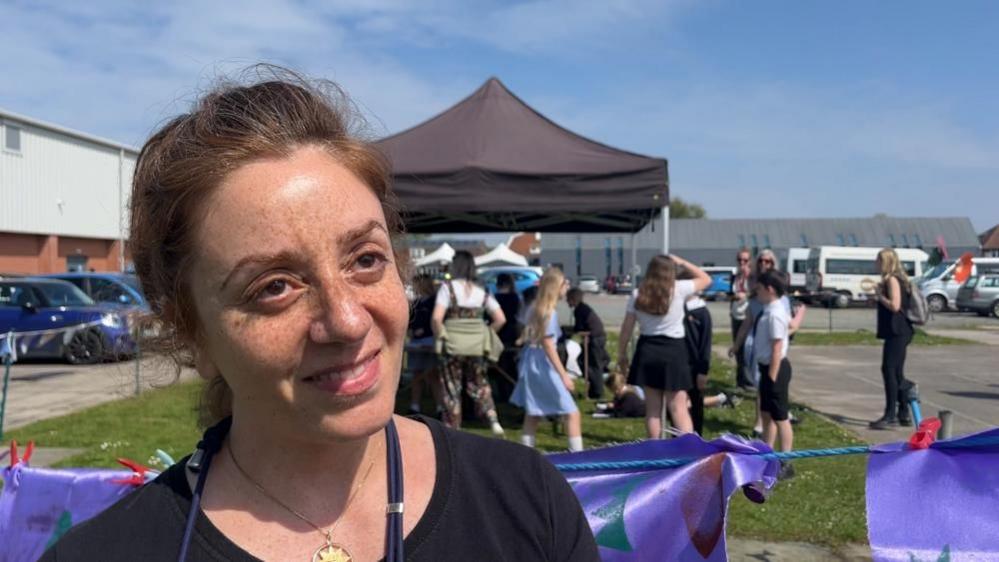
(457, 372)
(661, 364)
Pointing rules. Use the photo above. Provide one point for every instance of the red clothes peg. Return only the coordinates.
(925, 434)
(13, 453)
(138, 477)
(28, 451)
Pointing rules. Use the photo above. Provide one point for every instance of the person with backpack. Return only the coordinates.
(463, 342)
(894, 297)
(544, 387)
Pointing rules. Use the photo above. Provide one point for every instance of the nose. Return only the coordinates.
(342, 316)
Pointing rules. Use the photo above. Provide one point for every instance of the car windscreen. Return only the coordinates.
(63, 294)
(132, 281)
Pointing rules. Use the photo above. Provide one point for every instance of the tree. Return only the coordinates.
(680, 209)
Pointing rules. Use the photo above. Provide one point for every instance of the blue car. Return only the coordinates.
(55, 319)
(118, 289)
(523, 277)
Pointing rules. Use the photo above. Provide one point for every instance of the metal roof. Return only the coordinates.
(11, 116)
(728, 234)
(788, 233)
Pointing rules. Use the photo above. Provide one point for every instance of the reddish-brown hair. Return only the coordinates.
(271, 115)
(656, 290)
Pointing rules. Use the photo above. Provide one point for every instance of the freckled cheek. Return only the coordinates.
(272, 341)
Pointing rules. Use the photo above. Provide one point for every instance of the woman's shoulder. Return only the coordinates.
(138, 526)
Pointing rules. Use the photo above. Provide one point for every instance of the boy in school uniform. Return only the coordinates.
(770, 351)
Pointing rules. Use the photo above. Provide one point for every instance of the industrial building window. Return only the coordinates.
(905, 240)
(742, 241)
(804, 241)
(891, 239)
(853, 240)
(841, 240)
(11, 138)
(917, 240)
(766, 240)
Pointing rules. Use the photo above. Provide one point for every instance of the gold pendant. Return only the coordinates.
(332, 552)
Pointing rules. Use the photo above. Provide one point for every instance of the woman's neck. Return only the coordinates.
(311, 476)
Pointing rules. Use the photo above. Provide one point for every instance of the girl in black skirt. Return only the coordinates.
(661, 365)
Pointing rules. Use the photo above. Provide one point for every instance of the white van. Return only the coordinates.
(797, 268)
(848, 273)
(940, 288)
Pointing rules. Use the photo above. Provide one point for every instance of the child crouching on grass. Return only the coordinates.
(770, 351)
(544, 387)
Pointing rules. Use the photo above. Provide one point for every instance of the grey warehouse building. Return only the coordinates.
(715, 241)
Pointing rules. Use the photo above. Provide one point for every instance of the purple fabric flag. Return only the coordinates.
(38, 505)
(937, 504)
(666, 514)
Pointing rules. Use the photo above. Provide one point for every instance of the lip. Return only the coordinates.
(350, 384)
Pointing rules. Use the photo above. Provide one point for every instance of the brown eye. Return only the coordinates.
(369, 261)
(275, 288)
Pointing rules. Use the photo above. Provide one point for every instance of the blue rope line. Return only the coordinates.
(971, 442)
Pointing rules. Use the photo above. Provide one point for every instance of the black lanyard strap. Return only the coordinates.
(211, 443)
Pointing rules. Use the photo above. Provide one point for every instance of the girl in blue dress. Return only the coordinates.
(544, 387)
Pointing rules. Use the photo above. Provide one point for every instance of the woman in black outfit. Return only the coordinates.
(264, 236)
(893, 294)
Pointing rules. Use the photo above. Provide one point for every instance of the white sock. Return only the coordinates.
(527, 440)
(722, 398)
(575, 443)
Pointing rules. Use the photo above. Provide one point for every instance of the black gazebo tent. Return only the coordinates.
(492, 163)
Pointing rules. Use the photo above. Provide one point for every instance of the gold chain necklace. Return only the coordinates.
(331, 551)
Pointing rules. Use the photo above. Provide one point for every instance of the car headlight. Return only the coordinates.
(111, 320)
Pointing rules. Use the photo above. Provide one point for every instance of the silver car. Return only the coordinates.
(980, 293)
(589, 284)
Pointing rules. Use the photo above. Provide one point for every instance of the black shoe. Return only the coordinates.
(905, 421)
(786, 471)
(884, 423)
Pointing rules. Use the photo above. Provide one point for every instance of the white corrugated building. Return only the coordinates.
(62, 198)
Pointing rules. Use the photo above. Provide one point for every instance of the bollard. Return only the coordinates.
(8, 360)
(830, 317)
(946, 424)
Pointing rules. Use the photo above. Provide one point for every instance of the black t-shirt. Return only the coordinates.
(419, 319)
(586, 320)
(492, 500)
(510, 304)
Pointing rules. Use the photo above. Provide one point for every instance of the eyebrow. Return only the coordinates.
(286, 256)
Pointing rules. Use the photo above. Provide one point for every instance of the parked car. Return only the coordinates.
(844, 274)
(58, 320)
(523, 277)
(980, 293)
(623, 285)
(119, 289)
(589, 284)
(721, 281)
(940, 287)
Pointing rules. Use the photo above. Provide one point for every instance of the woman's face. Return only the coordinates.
(300, 305)
(765, 263)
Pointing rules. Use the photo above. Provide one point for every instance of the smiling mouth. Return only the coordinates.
(350, 380)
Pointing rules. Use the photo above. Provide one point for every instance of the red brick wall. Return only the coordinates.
(35, 254)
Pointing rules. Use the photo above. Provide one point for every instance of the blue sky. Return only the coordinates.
(764, 108)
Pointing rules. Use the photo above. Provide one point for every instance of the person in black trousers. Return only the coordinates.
(893, 295)
(510, 303)
(697, 325)
(586, 321)
(740, 295)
